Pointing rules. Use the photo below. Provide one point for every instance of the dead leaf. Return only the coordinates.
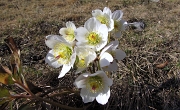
(162, 65)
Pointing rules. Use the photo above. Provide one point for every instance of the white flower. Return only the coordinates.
(116, 53)
(84, 57)
(93, 35)
(104, 17)
(108, 56)
(105, 58)
(61, 54)
(68, 33)
(119, 24)
(94, 86)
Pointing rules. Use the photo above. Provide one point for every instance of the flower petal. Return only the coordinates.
(51, 60)
(64, 70)
(117, 15)
(86, 95)
(55, 37)
(119, 54)
(105, 59)
(118, 34)
(103, 98)
(110, 25)
(107, 11)
(97, 12)
(103, 30)
(80, 34)
(70, 24)
(73, 58)
(106, 48)
(124, 25)
(92, 24)
(112, 67)
(80, 81)
(51, 40)
(62, 31)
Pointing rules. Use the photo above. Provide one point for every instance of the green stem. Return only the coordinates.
(109, 35)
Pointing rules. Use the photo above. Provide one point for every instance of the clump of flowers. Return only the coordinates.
(90, 51)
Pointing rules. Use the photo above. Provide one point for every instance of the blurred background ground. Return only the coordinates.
(140, 84)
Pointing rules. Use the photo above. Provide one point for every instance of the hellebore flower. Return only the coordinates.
(93, 35)
(84, 57)
(68, 32)
(61, 54)
(105, 58)
(94, 86)
(104, 17)
(119, 24)
(109, 55)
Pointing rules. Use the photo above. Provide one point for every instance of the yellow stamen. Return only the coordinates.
(93, 38)
(95, 84)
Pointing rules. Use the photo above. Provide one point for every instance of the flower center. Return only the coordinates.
(95, 84)
(116, 26)
(62, 53)
(69, 34)
(93, 38)
(102, 19)
(81, 63)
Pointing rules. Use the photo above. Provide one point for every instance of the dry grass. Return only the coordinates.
(138, 85)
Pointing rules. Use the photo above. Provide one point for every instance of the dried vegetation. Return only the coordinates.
(148, 78)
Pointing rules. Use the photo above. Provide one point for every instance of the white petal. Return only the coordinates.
(73, 58)
(107, 11)
(50, 59)
(92, 24)
(103, 98)
(90, 58)
(86, 95)
(51, 43)
(111, 25)
(51, 40)
(64, 70)
(55, 37)
(62, 31)
(106, 48)
(118, 34)
(103, 30)
(97, 12)
(124, 24)
(107, 80)
(105, 59)
(100, 45)
(112, 67)
(117, 15)
(115, 44)
(81, 34)
(119, 54)
(80, 81)
(70, 25)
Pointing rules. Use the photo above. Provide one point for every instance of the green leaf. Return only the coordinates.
(4, 92)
